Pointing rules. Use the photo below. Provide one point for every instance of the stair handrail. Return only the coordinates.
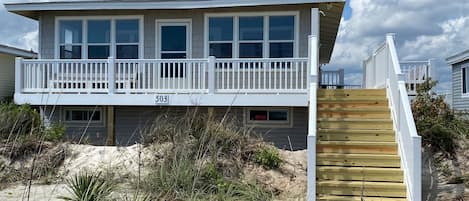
(409, 141)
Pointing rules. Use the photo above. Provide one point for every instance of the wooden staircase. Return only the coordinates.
(357, 156)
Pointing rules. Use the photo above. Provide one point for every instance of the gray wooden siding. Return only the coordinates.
(7, 75)
(197, 15)
(131, 121)
(459, 102)
(92, 134)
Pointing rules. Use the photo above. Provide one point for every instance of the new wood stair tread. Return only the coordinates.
(366, 188)
(353, 131)
(357, 160)
(351, 100)
(357, 198)
(356, 143)
(355, 110)
(374, 120)
(338, 173)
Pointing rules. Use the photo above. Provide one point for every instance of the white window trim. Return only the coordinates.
(464, 95)
(84, 42)
(72, 123)
(269, 123)
(159, 22)
(266, 41)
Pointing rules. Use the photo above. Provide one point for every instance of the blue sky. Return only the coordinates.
(424, 29)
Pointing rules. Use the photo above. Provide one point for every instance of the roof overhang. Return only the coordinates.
(457, 58)
(330, 16)
(30, 9)
(17, 52)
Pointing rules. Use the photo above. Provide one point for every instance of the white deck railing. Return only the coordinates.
(416, 73)
(285, 75)
(382, 69)
(333, 78)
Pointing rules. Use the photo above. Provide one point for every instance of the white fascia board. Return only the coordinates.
(17, 52)
(460, 57)
(119, 5)
(268, 100)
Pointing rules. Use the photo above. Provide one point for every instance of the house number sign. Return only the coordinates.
(162, 99)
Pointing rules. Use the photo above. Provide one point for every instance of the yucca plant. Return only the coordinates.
(86, 186)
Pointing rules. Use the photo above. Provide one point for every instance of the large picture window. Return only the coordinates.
(105, 36)
(252, 36)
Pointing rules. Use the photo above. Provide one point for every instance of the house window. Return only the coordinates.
(221, 37)
(99, 39)
(105, 36)
(465, 81)
(281, 36)
(127, 39)
(71, 40)
(252, 36)
(271, 116)
(83, 115)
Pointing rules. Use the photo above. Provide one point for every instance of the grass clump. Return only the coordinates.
(268, 157)
(204, 160)
(439, 126)
(88, 187)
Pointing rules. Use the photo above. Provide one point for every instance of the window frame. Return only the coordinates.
(464, 69)
(85, 44)
(266, 40)
(268, 123)
(74, 123)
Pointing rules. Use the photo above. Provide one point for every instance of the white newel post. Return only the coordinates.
(313, 61)
(111, 75)
(18, 75)
(211, 74)
(341, 77)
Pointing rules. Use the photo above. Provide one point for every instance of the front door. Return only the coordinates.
(173, 43)
(174, 40)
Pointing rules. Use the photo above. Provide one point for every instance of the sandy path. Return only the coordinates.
(38, 192)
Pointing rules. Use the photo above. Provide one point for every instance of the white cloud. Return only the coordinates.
(18, 31)
(424, 29)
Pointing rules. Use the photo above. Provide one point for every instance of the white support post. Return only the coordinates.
(18, 75)
(417, 171)
(313, 84)
(111, 75)
(313, 61)
(211, 74)
(341, 77)
(432, 69)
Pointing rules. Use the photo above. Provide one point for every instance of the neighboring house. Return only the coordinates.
(460, 80)
(107, 68)
(7, 68)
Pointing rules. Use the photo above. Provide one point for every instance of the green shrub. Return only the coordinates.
(55, 132)
(438, 125)
(268, 157)
(88, 187)
(18, 120)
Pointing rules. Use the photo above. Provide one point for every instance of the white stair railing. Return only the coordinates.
(383, 68)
